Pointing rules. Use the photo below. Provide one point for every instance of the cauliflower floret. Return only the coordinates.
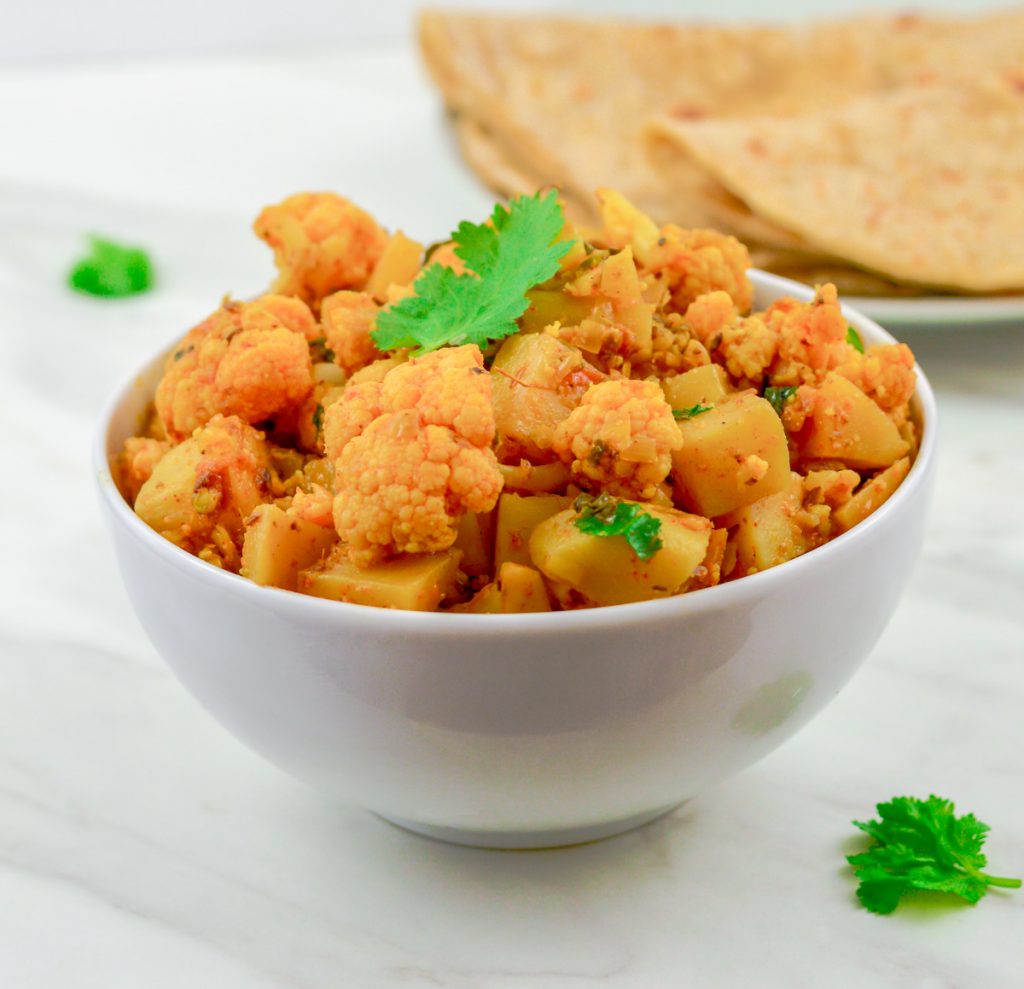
(322, 243)
(689, 263)
(884, 373)
(347, 319)
(448, 387)
(674, 349)
(744, 344)
(811, 336)
(136, 462)
(693, 262)
(413, 454)
(248, 359)
(201, 491)
(315, 505)
(620, 438)
(344, 420)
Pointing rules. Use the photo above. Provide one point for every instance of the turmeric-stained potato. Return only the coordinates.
(705, 385)
(606, 570)
(409, 583)
(202, 490)
(731, 456)
(875, 493)
(518, 516)
(535, 478)
(278, 545)
(398, 265)
(844, 424)
(522, 589)
(537, 382)
(475, 539)
(766, 532)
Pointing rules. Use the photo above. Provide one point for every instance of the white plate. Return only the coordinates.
(942, 312)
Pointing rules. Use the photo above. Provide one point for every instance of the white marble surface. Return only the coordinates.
(142, 846)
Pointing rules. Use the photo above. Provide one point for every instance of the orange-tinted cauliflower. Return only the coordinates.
(248, 359)
(347, 319)
(688, 263)
(202, 490)
(884, 373)
(403, 478)
(322, 243)
(315, 505)
(744, 344)
(811, 336)
(620, 438)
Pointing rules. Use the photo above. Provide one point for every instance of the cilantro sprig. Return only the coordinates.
(112, 270)
(779, 397)
(693, 410)
(504, 258)
(922, 844)
(603, 515)
(854, 340)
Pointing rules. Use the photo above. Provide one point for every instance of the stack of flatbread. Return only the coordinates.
(885, 154)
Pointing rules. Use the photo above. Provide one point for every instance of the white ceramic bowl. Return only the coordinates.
(523, 730)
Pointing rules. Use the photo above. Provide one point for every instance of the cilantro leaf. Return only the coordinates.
(112, 270)
(318, 418)
(922, 844)
(505, 259)
(854, 340)
(602, 515)
(779, 397)
(693, 410)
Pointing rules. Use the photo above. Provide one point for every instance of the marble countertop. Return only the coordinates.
(140, 845)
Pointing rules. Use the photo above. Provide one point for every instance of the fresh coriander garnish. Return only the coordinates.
(693, 410)
(320, 352)
(922, 844)
(505, 258)
(603, 515)
(112, 270)
(779, 397)
(318, 418)
(854, 340)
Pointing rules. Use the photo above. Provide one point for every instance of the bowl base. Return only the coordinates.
(552, 838)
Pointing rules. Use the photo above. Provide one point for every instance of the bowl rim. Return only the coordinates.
(402, 622)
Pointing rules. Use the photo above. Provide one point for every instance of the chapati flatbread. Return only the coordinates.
(557, 101)
(924, 184)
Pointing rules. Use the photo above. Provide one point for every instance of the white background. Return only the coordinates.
(77, 27)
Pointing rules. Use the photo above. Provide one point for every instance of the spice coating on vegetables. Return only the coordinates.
(528, 417)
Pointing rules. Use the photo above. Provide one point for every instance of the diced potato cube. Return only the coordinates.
(528, 402)
(409, 583)
(605, 570)
(486, 601)
(522, 589)
(871, 496)
(535, 478)
(731, 456)
(707, 385)
(398, 265)
(277, 546)
(474, 538)
(846, 425)
(709, 572)
(766, 533)
(518, 516)
(549, 306)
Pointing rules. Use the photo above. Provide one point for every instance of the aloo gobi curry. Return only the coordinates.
(526, 417)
